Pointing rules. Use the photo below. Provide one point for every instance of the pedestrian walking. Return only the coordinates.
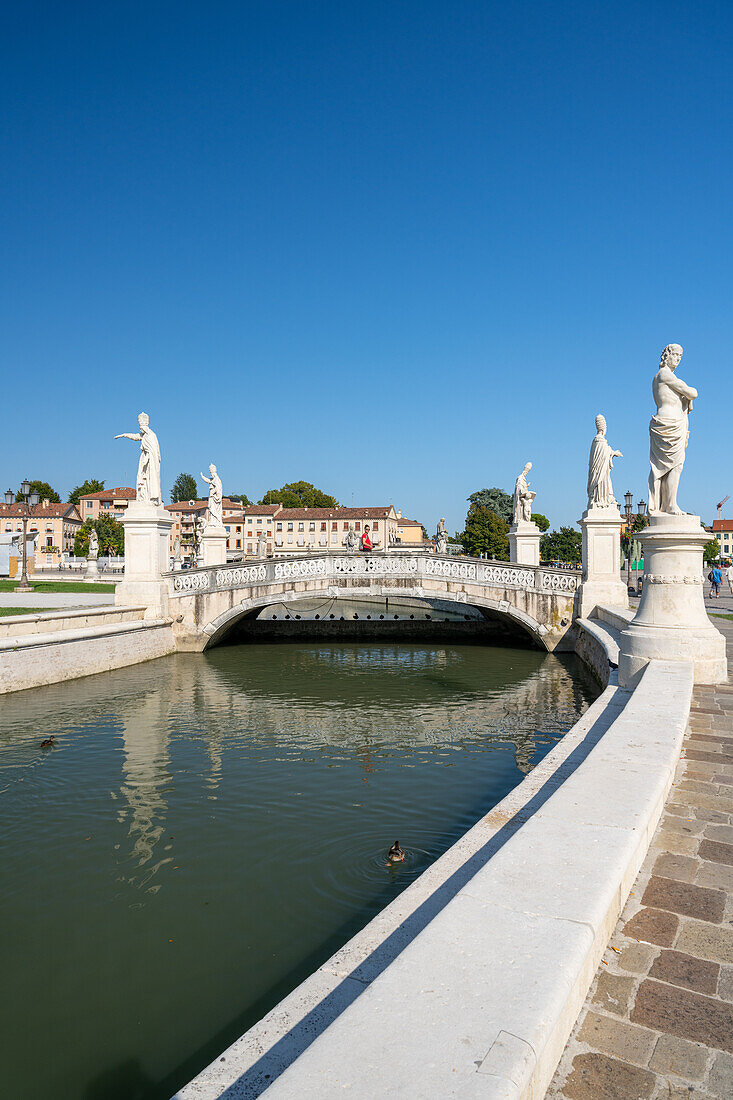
(715, 576)
(729, 575)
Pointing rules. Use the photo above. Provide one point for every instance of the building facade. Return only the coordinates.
(108, 502)
(722, 530)
(53, 527)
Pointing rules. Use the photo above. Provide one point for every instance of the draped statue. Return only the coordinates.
(216, 498)
(668, 433)
(148, 470)
(441, 538)
(523, 497)
(600, 464)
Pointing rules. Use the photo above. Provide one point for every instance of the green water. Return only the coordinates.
(208, 829)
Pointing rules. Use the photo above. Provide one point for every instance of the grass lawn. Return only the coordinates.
(58, 586)
(23, 610)
(720, 615)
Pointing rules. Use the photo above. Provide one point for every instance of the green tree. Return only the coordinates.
(91, 485)
(486, 533)
(110, 533)
(497, 500)
(44, 490)
(565, 545)
(542, 521)
(184, 488)
(241, 497)
(711, 551)
(299, 494)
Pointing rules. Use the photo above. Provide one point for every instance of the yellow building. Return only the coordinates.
(52, 526)
(409, 531)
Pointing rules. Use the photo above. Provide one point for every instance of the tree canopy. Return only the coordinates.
(711, 550)
(299, 494)
(91, 485)
(497, 500)
(185, 487)
(565, 545)
(110, 533)
(241, 497)
(44, 490)
(542, 521)
(486, 533)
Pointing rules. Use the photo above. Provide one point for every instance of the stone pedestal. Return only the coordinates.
(177, 565)
(91, 570)
(601, 582)
(147, 556)
(671, 623)
(524, 543)
(214, 546)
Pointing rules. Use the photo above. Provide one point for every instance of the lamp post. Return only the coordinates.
(628, 510)
(28, 505)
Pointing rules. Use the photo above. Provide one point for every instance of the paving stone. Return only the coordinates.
(712, 801)
(677, 968)
(710, 757)
(722, 833)
(723, 779)
(668, 841)
(671, 865)
(712, 816)
(653, 926)
(717, 875)
(689, 825)
(598, 1077)
(696, 786)
(688, 1015)
(720, 1079)
(725, 985)
(637, 957)
(678, 1056)
(627, 1041)
(707, 941)
(614, 991)
(685, 898)
(716, 851)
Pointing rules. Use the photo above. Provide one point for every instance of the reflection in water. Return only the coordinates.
(209, 828)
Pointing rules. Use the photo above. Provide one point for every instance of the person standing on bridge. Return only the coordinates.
(366, 541)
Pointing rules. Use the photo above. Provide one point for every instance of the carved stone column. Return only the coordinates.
(524, 543)
(147, 533)
(601, 582)
(671, 623)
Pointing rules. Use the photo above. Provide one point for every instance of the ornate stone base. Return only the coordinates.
(214, 546)
(671, 623)
(524, 543)
(601, 582)
(147, 557)
(91, 570)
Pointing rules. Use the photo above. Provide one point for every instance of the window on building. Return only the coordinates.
(301, 526)
(290, 527)
(334, 526)
(259, 522)
(226, 528)
(311, 526)
(279, 527)
(357, 525)
(239, 544)
(375, 526)
(323, 526)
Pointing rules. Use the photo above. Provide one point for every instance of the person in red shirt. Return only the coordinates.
(366, 541)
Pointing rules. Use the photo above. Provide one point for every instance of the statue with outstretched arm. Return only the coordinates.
(148, 470)
(216, 497)
(668, 433)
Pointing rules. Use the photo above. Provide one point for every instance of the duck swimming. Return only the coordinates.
(49, 742)
(395, 854)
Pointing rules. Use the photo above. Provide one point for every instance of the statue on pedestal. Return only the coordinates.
(93, 544)
(441, 538)
(148, 470)
(176, 549)
(261, 545)
(668, 433)
(600, 464)
(216, 498)
(523, 497)
(351, 540)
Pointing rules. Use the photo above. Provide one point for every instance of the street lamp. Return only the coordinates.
(641, 508)
(30, 502)
(628, 511)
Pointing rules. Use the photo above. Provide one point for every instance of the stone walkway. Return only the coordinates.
(658, 1020)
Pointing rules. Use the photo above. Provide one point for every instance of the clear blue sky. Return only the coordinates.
(392, 248)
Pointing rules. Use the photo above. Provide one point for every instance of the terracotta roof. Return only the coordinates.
(185, 506)
(409, 522)
(123, 492)
(723, 525)
(51, 511)
(252, 509)
(335, 513)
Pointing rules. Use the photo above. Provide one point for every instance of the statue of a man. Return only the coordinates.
(523, 497)
(351, 539)
(148, 470)
(216, 498)
(93, 544)
(668, 433)
(600, 464)
(261, 545)
(441, 538)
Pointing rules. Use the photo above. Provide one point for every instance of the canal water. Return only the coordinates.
(207, 829)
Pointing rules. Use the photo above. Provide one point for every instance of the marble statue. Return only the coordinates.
(441, 538)
(668, 433)
(93, 544)
(176, 549)
(600, 464)
(216, 498)
(351, 539)
(523, 497)
(261, 545)
(148, 470)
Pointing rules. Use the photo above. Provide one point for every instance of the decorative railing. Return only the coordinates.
(411, 566)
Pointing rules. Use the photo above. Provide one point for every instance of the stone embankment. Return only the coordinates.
(658, 1021)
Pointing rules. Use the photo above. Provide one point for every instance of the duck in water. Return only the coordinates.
(395, 854)
(49, 742)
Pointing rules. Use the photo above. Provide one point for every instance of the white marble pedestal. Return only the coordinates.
(601, 582)
(214, 546)
(671, 623)
(147, 556)
(524, 543)
(91, 570)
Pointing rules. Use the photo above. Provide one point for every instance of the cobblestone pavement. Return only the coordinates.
(658, 1020)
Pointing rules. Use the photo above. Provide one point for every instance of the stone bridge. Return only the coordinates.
(206, 603)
